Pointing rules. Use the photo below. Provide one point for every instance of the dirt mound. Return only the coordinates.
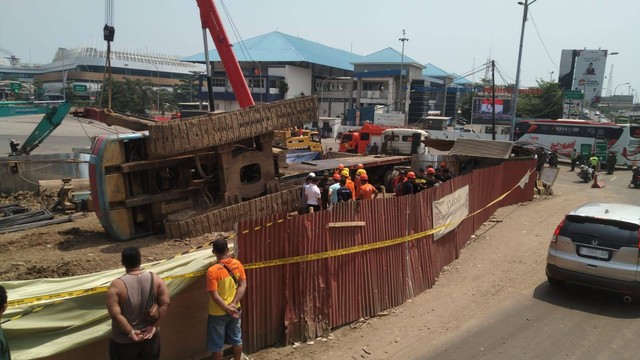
(77, 248)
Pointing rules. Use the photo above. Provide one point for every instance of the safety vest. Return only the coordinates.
(594, 160)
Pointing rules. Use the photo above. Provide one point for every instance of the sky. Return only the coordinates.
(456, 36)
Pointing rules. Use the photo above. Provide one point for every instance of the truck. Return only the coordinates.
(356, 141)
(388, 140)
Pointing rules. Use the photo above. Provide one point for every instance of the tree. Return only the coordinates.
(544, 101)
(131, 96)
(283, 87)
(187, 90)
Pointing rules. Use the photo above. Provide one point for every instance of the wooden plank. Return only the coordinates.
(346, 224)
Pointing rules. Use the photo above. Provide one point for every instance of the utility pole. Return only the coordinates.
(400, 101)
(517, 85)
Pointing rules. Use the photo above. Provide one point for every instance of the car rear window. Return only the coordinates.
(612, 233)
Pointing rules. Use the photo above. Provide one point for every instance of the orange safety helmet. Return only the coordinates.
(411, 175)
(360, 166)
(431, 171)
(364, 177)
(341, 166)
(336, 176)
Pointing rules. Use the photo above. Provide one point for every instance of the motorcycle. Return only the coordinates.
(585, 173)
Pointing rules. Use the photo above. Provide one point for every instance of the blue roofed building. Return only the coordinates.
(270, 60)
(342, 80)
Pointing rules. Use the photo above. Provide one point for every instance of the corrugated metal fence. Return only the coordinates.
(301, 301)
(31, 168)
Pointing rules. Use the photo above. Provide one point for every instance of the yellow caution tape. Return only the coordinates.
(290, 260)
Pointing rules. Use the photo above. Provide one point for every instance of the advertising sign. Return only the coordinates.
(589, 73)
(483, 110)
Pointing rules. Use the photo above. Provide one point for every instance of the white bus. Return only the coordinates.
(564, 135)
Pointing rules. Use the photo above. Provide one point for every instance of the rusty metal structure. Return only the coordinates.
(199, 165)
(302, 300)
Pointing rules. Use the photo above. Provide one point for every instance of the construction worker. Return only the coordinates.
(430, 179)
(349, 183)
(356, 180)
(409, 186)
(366, 191)
(339, 169)
(595, 162)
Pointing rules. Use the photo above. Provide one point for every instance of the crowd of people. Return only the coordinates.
(324, 191)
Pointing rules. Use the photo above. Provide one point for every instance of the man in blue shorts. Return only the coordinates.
(226, 284)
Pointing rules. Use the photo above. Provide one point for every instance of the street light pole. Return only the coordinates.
(158, 83)
(517, 84)
(400, 102)
(614, 92)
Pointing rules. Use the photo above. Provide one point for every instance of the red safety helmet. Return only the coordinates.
(364, 177)
(431, 171)
(411, 175)
(336, 176)
(360, 166)
(340, 166)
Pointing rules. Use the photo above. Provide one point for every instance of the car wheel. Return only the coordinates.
(555, 282)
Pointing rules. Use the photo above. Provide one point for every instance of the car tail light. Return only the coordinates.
(554, 238)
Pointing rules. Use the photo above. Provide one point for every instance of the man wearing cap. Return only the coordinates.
(303, 193)
(366, 191)
(313, 195)
(333, 190)
(349, 183)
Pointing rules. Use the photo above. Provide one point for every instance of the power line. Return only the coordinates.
(542, 41)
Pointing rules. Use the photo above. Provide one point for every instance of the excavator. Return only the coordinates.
(197, 175)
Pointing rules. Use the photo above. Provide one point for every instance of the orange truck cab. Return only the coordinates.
(356, 141)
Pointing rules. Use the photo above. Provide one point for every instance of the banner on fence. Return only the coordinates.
(451, 209)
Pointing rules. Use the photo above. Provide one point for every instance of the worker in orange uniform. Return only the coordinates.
(339, 169)
(366, 191)
(356, 180)
(350, 185)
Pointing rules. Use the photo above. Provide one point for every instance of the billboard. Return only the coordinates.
(583, 70)
(589, 74)
(482, 111)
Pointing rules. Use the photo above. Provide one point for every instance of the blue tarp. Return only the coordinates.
(300, 156)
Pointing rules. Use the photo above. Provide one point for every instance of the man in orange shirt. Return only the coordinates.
(366, 191)
(350, 185)
(226, 284)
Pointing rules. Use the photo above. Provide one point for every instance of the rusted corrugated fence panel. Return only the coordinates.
(303, 300)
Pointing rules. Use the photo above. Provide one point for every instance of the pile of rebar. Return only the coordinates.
(29, 220)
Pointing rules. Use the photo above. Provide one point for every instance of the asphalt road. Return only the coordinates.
(72, 133)
(550, 323)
